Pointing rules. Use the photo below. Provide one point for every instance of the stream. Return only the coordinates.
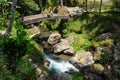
(59, 65)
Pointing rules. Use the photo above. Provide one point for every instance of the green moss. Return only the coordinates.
(81, 42)
(98, 68)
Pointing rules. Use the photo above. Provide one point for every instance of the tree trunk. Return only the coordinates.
(86, 5)
(13, 9)
(40, 5)
(100, 7)
(61, 2)
(94, 5)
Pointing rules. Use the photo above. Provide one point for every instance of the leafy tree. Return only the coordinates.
(14, 47)
(116, 4)
(27, 7)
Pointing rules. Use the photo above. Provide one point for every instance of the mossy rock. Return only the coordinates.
(98, 68)
(61, 10)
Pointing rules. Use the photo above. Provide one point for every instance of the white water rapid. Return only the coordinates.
(59, 65)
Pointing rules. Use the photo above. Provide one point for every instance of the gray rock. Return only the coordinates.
(118, 45)
(82, 58)
(62, 76)
(86, 57)
(69, 51)
(116, 55)
(105, 36)
(54, 38)
(59, 47)
(101, 51)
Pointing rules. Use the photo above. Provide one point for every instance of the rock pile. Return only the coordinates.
(60, 45)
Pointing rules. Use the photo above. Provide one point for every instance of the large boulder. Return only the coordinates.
(82, 58)
(69, 51)
(61, 46)
(105, 36)
(102, 51)
(54, 38)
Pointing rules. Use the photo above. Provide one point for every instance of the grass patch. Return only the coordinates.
(81, 42)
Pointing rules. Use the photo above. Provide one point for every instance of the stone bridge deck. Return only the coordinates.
(40, 17)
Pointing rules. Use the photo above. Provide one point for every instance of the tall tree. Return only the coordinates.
(100, 7)
(94, 5)
(13, 9)
(61, 2)
(40, 4)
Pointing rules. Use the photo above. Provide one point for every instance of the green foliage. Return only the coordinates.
(35, 52)
(52, 2)
(51, 25)
(50, 5)
(27, 7)
(77, 76)
(116, 4)
(3, 23)
(14, 47)
(12, 50)
(26, 70)
(74, 26)
(81, 42)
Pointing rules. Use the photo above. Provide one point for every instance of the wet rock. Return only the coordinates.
(54, 38)
(46, 64)
(61, 46)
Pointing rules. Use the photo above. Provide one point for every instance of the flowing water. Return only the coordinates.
(59, 65)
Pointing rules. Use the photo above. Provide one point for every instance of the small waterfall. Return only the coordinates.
(59, 65)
